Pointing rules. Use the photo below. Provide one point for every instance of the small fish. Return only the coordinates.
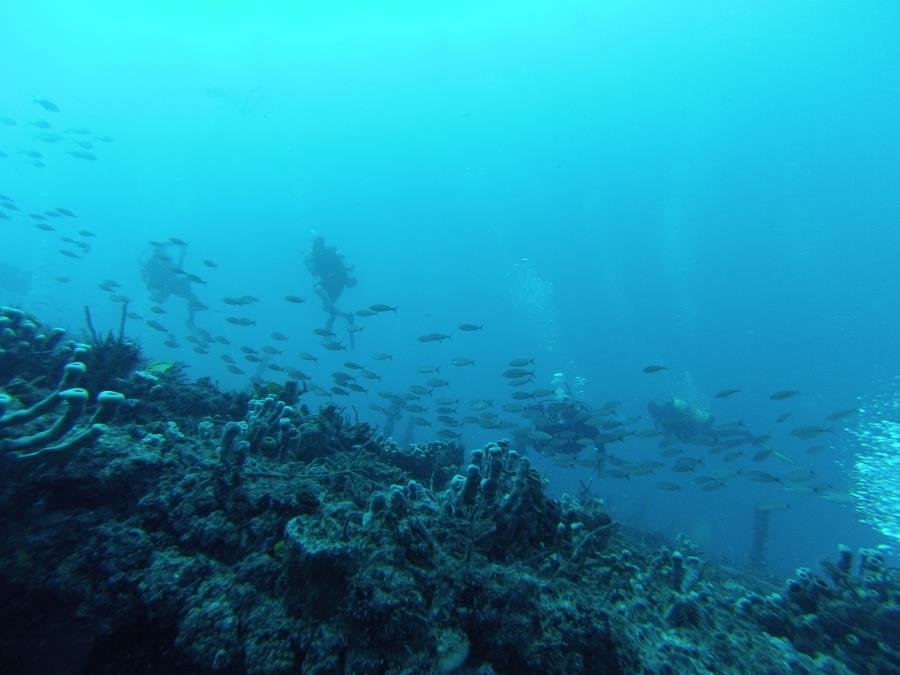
(333, 345)
(234, 369)
(45, 227)
(384, 308)
(41, 124)
(420, 421)
(271, 350)
(448, 434)
(248, 350)
(211, 264)
(63, 280)
(222, 340)
(8, 121)
(109, 285)
(771, 507)
(32, 153)
(66, 212)
(47, 105)
(281, 337)
(177, 242)
(462, 362)
(156, 325)
(104, 139)
(79, 131)
(252, 358)
(82, 154)
(172, 343)
(50, 137)
(276, 367)
(352, 365)
(240, 321)
(296, 299)
(469, 327)
(156, 309)
(84, 145)
(808, 432)
(685, 464)
(369, 375)
(836, 496)
(841, 414)
(783, 394)
(86, 233)
(782, 417)
(323, 332)
(196, 279)
(227, 359)
(668, 486)
(427, 370)
(9, 206)
(437, 382)
(521, 395)
(725, 393)
(306, 356)
(653, 368)
(520, 363)
(70, 254)
(433, 337)
(517, 373)
(381, 356)
(355, 387)
(365, 312)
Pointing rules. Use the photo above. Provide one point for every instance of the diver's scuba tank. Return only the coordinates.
(694, 413)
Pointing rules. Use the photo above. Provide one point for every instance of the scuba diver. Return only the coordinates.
(686, 422)
(692, 424)
(332, 276)
(163, 276)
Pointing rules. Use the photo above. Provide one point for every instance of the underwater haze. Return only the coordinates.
(641, 204)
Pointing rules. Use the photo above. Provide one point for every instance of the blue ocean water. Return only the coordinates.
(712, 187)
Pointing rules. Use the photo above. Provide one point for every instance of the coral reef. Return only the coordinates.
(277, 539)
(27, 433)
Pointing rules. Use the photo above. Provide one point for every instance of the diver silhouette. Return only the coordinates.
(332, 277)
(164, 276)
